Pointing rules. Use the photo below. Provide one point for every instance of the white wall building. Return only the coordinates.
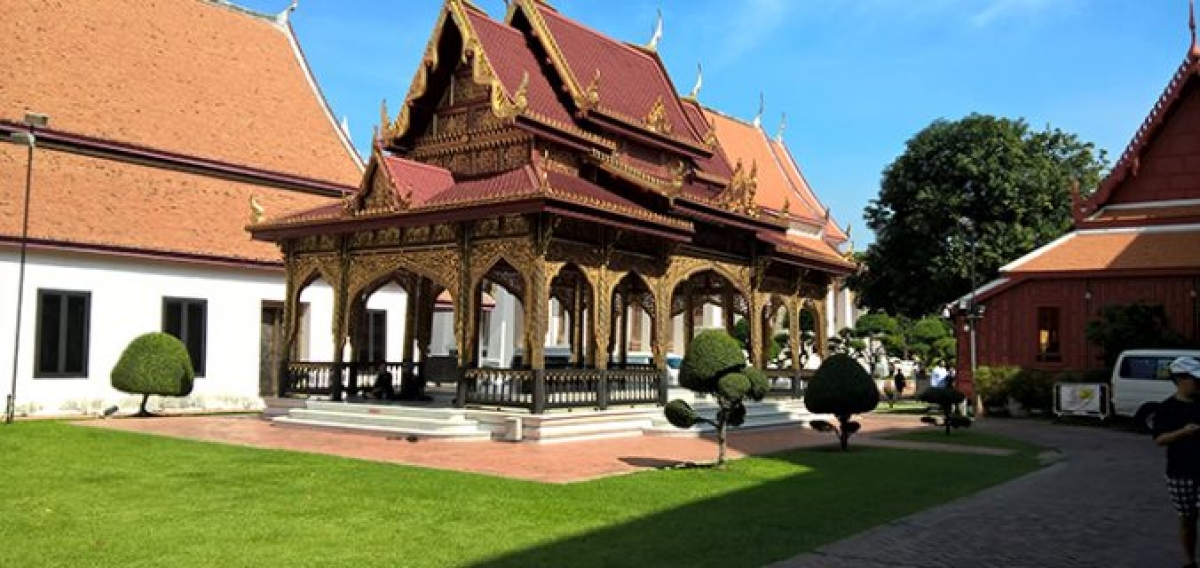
(161, 134)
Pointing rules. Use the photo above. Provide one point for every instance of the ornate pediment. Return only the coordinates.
(739, 195)
(378, 193)
(656, 120)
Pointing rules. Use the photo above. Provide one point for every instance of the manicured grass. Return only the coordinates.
(76, 496)
(968, 437)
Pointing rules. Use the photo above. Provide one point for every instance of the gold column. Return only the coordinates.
(795, 342)
(537, 302)
(577, 325)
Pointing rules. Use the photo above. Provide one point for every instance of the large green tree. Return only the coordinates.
(992, 181)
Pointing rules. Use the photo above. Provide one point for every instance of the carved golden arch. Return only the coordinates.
(368, 270)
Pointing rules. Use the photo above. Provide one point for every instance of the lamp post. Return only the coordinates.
(973, 311)
(33, 121)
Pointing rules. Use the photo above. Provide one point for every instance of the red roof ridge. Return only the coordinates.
(1130, 158)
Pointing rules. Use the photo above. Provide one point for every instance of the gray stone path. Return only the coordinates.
(1102, 504)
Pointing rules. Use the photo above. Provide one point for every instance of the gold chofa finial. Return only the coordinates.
(257, 212)
(658, 33)
(762, 107)
(699, 82)
(1195, 49)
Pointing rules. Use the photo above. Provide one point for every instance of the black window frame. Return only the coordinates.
(1054, 335)
(200, 370)
(60, 372)
(372, 320)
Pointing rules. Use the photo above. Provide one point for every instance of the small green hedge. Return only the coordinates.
(711, 355)
(154, 363)
(841, 387)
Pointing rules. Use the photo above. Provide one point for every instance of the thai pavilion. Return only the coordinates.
(542, 158)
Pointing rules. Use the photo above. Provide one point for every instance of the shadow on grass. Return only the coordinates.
(795, 502)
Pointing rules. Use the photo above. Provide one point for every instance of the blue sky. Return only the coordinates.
(857, 78)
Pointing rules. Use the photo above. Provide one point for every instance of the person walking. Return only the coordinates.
(899, 383)
(1175, 426)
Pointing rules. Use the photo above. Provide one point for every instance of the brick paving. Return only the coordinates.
(1102, 504)
(562, 462)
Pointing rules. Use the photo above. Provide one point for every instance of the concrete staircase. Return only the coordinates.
(441, 423)
(765, 414)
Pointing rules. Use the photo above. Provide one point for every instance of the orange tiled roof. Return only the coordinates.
(193, 77)
(82, 200)
(1116, 250)
(748, 144)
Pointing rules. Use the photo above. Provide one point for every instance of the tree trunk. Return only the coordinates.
(721, 425)
(843, 433)
(142, 410)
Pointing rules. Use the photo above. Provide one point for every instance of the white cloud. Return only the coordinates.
(749, 25)
(997, 10)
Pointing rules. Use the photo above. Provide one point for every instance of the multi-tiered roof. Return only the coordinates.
(540, 113)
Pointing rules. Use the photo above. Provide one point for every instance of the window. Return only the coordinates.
(187, 319)
(62, 334)
(1049, 347)
(375, 348)
(1146, 368)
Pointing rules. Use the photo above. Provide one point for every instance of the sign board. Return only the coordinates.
(1081, 399)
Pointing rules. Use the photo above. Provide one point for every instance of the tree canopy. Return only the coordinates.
(985, 179)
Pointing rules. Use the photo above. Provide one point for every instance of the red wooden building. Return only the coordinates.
(1136, 239)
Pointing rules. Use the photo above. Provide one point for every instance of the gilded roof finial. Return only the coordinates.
(282, 17)
(762, 107)
(699, 82)
(257, 212)
(1195, 49)
(782, 127)
(658, 32)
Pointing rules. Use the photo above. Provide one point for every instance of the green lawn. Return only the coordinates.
(75, 496)
(968, 437)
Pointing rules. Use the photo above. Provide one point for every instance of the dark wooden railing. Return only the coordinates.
(498, 387)
(785, 384)
(635, 384)
(535, 390)
(312, 378)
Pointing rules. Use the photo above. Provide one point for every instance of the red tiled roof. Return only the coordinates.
(424, 180)
(1129, 163)
(513, 184)
(511, 59)
(1116, 250)
(718, 164)
(631, 79)
(81, 200)
(192, 77)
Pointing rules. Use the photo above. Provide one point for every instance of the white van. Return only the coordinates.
(1141, 380)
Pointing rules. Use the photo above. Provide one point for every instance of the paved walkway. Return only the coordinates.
(1102, 504)
(553, 463)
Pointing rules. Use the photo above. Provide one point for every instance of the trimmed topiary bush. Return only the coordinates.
(841, 387)
(945, 398)
(154, 363)
(714, 364)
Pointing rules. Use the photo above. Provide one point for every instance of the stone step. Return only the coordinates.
(481, 436)
(586, 427)
(403, 410)
(420, 424)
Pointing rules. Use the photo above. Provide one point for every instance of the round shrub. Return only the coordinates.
(760, 385)
(154, 363)
(841, 387)
(711, 355)
(680, 414)
(941, 396)
(733, 386)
